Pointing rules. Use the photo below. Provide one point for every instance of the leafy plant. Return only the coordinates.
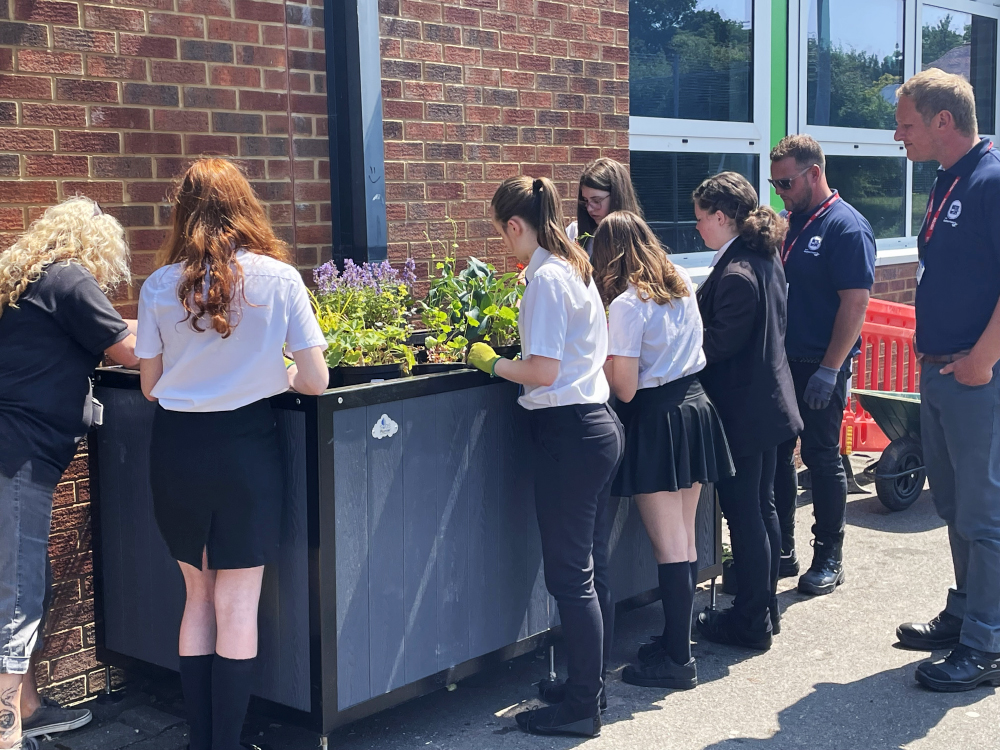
(474, 304)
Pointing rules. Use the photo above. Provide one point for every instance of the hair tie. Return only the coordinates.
(537, 185)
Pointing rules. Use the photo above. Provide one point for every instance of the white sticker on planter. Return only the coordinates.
(384, 427)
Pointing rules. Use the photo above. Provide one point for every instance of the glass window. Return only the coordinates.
(691, 59)
(966, 45)
(924, 173)
(876, 186)
(664, 182)
(855, 62)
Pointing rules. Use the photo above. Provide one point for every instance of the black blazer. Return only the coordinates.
(743, 306)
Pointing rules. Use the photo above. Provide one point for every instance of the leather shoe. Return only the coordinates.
(722, 627)
(555, 692)
(549, 721)
(650, 651)
(941, 632)
(789, 565)
(663, 672)
(965, 668)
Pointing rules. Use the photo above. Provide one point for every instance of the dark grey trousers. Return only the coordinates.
(960, 429)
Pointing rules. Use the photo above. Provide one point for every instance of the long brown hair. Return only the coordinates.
(216, 213)
(626, 251)
(760, 227)
(611, 176)
(535, 201)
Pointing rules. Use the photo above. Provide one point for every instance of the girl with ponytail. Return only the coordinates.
(576, 439)
(742, 306)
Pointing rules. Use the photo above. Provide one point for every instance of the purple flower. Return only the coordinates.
(376, 276)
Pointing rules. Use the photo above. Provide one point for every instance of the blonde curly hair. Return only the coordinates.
(75, 230)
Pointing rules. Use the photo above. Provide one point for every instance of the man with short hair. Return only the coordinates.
(829, 258)
(958, 341)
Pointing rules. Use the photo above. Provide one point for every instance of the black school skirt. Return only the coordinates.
(673, 438)
(218, 485)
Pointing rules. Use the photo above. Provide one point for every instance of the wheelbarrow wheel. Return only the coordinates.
(900, 474)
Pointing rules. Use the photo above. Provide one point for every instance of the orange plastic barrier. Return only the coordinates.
(887, 362)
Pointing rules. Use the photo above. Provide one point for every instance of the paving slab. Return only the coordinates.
(149, 720)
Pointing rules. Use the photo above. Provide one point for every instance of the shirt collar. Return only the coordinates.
(537, 258)
(965, 166)
(720, 252)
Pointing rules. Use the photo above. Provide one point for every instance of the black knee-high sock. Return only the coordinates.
(677, 591)
(230, 695)
(196, 682)
(694, 576)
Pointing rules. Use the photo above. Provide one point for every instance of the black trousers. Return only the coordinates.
(747, 501)
(576, 451)
(820, 452)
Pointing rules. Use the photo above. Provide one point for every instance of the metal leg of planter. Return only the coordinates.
(552, 663)
(712, 594)
(107, 696)
(324, 742)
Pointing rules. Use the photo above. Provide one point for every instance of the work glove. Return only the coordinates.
(482, 357)
(820, 387)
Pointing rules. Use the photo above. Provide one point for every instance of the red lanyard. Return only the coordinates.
(937, 214)
(789, 244)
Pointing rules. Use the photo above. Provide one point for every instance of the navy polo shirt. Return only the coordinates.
(958, 284)
(835, 252)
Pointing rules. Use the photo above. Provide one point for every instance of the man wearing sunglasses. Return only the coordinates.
(829, 259)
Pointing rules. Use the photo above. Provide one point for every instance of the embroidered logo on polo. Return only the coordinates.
(813, 247)
(954, 211)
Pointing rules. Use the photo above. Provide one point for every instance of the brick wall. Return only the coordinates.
(112, 99)
(896, 283)
(475, 91)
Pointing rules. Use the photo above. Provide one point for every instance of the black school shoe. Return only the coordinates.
(965, 668)
(722, 627)
(650, 651)
(789, 565)
(941, 632)
(552, 720)
(663, 672)
(555, 692)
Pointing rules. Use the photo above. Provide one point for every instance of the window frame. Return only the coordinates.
(842, 141)
(673, 135)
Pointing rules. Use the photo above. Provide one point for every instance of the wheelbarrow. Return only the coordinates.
(900, 473)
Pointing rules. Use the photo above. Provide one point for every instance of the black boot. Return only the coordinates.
(826, 571)
(555, 691)
(941, 632)
(725, 627)
(963, 669)
(196, 684)
(557, 720)
(789, 565)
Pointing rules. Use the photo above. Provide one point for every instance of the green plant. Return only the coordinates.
(474, 304)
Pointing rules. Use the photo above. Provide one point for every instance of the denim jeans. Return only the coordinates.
(26, 512)
(960, 431)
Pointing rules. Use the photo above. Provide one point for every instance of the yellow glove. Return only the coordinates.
(482, 357)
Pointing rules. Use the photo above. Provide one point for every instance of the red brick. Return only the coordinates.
(120, 118)
(518, 42)
(6, 59)
(46, 12)
(263, 101)
(106, 143)
(496, 59)
(219, 145)
(102, 192)
(86, 91)
(169, 24)
(35, 192)
(303, 104)
(148, 46)
(462, 55)
(23, 139)
(56, 166)
(152, 143)
(617, 20)
(422, 51)
(25, 87)
(114, 19)
(12, 218)
(207, 7)
(540, 26)
(209, 98)
(421, 11)
(129, 68)
(556, 11)
(54, 115)
(224, 75)
(38, 61)
(517, 80)
(234, 31)
(68, 666)
(461, 16)
(266, 12)
(178, 72)
(555, 47)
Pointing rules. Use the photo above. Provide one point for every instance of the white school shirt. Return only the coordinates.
(720, 252)
(562, 318)
(205, 372)
(666, 338)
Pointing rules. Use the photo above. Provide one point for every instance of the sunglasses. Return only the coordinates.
(594, 202)
(785, 183)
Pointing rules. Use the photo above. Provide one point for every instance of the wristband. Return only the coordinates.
(493, 367)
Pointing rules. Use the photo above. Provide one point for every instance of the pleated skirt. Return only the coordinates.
(673, 438)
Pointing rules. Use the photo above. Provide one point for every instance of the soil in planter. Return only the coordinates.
(364, 374)
(430, 368)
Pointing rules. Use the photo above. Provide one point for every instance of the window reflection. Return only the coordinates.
(924, 173)
(874, 185)
(855, 62)
(691, 59)
(966, 45)
(664, 183)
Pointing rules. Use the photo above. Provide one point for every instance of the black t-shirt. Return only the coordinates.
(49, 345)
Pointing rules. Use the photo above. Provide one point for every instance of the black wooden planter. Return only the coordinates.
(408, 561)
